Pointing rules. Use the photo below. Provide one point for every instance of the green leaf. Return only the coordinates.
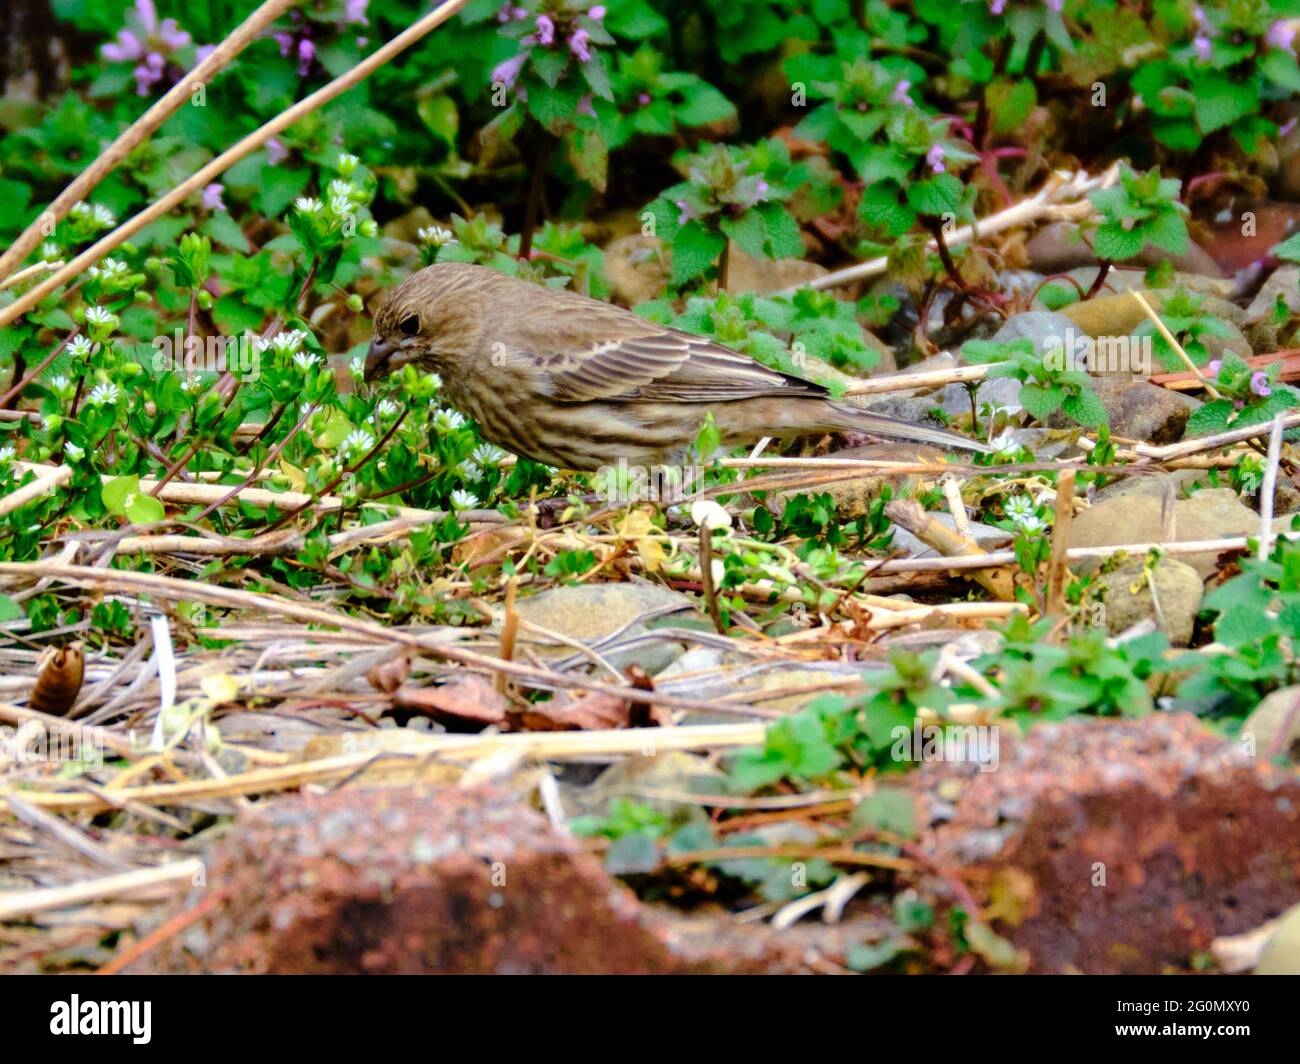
(891, 809)
(880, 207)
(1221, 101)
(1085, 407)
(1010, 102)
(1040, 402)
(9, 609)
(1116, 243)
(144, 509)
(637, 852)
(695, 249)
(936, 196)
(117, 491)
(1167, 230)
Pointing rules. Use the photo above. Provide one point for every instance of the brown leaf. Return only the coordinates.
(58, 681)
(564, 712)
(470, 701)
(389, 675)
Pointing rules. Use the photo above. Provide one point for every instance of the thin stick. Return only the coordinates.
(228, 158)
(1057, 569)
(44, 483)
(43, 899)
(1210, 443)
(140, 130)
(1269, 487)
(1172, 342)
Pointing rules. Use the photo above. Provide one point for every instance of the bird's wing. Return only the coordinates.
(665, 365)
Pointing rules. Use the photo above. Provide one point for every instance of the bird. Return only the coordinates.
(580, 384)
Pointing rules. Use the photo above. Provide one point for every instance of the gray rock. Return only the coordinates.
(1284, 282)
(1274, 725)
(592, 613)
(1045, 328)
(1210, 514)
(1139, 410)
(1179, 590)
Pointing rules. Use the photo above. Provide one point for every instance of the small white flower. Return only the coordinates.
(286, 343)
(1031, 525)
(307, 204)
(348, 163)
(357, 442)
(50, 251)
(357, 366)
(448, 420)
(304, 360)
(462, 499)
(708, 514)
(59, 383)
(488, 454)
(109, 269)
(342, 206)
(435, 236)
(433, 380)
(7, 454)
(1004, 441)
(73, 451)
(105, 394)
(103, 216)
(388, 408)
(80, 346)
(344, 189)
(1019, 506)
(469, 471)
(192, 383)
(100, 316)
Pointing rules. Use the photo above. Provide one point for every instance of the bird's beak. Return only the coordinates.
(377, 359)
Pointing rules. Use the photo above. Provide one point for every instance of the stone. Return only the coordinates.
(1284, 283)
(592, 613)
(425, 880)
(1120, 314)
(1210, 514)
(1274, 725)
(635, 266)
(1139, 410)
(1122, 847)
(1281, 954)
(1127, 597)
(1045, 328)
(764, 276)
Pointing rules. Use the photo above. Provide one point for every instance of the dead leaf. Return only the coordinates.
(388, 676)
(470, 701)
(58, 680)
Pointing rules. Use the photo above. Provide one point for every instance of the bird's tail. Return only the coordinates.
(856, 419)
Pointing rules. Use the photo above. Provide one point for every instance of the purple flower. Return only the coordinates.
(1259, 383)
(276, 152)
(1214, 367)
(1202, 46)
(1284, 130)
(935, 158)
(511, 13)
(1198, 16)
(354, 12)
(507, 72)
(996, 7)
(686, 212)
(149, 73)
(284, 40)
(1282, 35)
(584, 106)
(643, 99)
(597, 12)
(1055, 5)
(211, 199)
(545, 30)
(127, 48)
(899, 95)
(172, 35)
(306, 53)
(578, 45)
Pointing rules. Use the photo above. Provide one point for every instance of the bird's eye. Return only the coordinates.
(410, 325)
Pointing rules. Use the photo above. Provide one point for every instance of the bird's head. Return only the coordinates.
(432, 320)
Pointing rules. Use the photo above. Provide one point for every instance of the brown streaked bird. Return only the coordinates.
(578, 384)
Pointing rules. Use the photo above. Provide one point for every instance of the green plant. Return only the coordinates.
(1048, 384)
(1142, 209)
